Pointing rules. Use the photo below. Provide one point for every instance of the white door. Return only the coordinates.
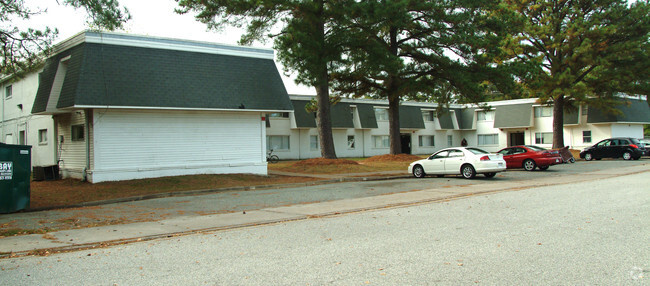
(454, 161)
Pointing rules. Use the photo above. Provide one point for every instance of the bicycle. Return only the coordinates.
(272, 158)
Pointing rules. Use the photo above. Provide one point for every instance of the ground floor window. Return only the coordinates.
(381, 141)
(450, 140)
(488, 139)
(350, 141)
(427, 140)
(313, 142)
(42, 136)
(544, 138)
(586, 136)
(77, 132)
(277, 142)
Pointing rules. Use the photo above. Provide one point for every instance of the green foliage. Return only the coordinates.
(24, 48)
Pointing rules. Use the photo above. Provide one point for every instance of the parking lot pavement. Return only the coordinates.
(148, 219)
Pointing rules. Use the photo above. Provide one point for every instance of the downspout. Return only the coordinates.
(87, 115)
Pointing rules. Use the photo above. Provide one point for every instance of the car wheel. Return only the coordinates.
(529, 165)
(543, 168)
(467, 171)
(418, 171)
(627, 155)
(490, 175)
(588, 157)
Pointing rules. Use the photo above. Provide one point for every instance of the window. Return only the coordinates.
(9, 138)
(279, 115)
(485, 116)
(78, 132)
(277, 142)
(585, 109)
(426, 140)
(8, 92)
(488, 139)
(381, 114)
(456, 153)
(427, 116)
(542, 111)
(450, 140)
(381, 141)
(21, 137)
(350, 141)
(42, 136)
(544, 138)
(313, 142)
(586, 136)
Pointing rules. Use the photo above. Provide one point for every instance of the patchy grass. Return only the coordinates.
(70, 192)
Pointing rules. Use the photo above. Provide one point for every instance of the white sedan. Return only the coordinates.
(459, 160)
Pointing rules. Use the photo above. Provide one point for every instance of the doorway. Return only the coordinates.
(406, 143)
(516, 138)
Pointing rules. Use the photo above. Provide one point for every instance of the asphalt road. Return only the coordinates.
(593, 233)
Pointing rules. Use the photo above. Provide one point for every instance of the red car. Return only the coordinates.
(530, 157)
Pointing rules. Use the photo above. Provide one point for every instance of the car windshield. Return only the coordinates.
(535, 148)
(477, 151)
(634, 141)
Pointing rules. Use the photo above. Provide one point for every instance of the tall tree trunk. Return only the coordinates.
(558, 122)
(323, 116)
(393, 125)
(393, 95)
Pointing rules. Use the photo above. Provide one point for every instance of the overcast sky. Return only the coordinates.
(153, 20)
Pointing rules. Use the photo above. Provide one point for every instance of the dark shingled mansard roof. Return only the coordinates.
(101, 74)
(513, 116)
(637, 111)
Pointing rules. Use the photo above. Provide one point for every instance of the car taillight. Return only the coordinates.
(634, 146)
(485, 158)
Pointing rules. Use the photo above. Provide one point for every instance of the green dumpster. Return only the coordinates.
(15, 171)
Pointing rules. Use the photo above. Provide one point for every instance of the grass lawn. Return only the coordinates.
(70, 191)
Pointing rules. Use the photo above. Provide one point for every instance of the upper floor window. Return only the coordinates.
(279, 115)
(428, 116)
(543, 111)
(8, 92)
(485, 115)
(381, 114)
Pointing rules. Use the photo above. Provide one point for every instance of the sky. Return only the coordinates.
(146, 19)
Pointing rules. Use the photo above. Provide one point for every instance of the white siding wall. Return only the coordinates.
(72, 153)
(142, 144)
(15, 120)
(627, 130)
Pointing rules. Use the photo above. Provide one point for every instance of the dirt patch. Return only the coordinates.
(394, 158)
(324, 162)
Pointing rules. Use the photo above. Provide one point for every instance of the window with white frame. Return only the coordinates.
(586, 136)
(450, 140)
(488, 139)
(350, 141)
(428, 116)
(484, 115)
(279, 115)
(77, 133)
(313, 142)
(543, 137)
(381, 114)
(277, 142)
(427, 140)
(8, 91)
(543, 111)
(381, 141)
(42, 136)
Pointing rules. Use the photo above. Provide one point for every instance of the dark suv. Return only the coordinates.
(628, 148)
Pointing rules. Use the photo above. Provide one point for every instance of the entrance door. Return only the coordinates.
(406, 143)
(516, 138)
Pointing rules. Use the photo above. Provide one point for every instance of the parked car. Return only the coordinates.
(459, 160)
(646, 146)
(625, 147)
(530, 157)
